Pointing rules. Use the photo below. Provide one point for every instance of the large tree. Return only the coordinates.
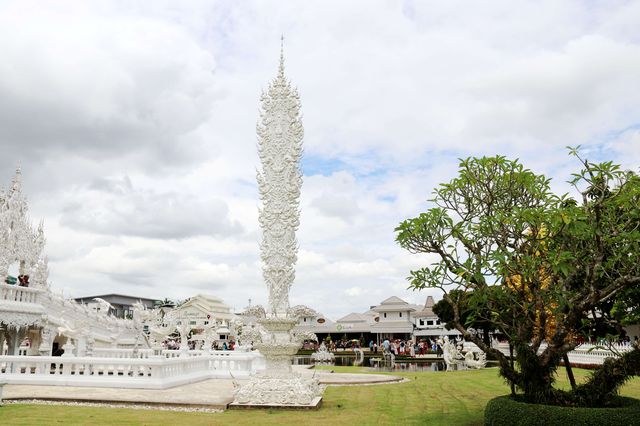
(538, 267)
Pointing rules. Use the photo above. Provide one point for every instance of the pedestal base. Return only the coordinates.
(315, 404)
(284, 390)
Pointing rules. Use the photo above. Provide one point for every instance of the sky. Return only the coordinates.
(134, 125)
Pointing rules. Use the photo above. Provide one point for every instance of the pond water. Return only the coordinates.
(376, 365)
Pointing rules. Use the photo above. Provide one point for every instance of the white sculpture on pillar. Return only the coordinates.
(280, 135)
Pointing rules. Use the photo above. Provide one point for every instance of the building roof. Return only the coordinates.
(392, 327)
(393, 300)
(111, 296)
(427, 310)
(393, 304)
(207, 304)
(435, 332)
(355, 317)
(429, 302)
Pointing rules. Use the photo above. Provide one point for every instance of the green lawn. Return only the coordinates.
(447, 398)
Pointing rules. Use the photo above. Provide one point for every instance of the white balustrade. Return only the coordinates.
(122, 353)
(147, 373)
(587, 353)
(15, 293)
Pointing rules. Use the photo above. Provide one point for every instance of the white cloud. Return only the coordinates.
(135, 127)
(353, 291)
(115, 207)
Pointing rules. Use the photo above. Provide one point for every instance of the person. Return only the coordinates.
(375, 348)
(224, 346)
(386, 344)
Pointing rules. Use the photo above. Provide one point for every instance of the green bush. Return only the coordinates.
(504, 410)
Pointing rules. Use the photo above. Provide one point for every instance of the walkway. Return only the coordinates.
(214, 393)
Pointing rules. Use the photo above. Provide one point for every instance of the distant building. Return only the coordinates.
(203, 311)
(353, 326)
(392, 319)
(121, 305)
(427, 324)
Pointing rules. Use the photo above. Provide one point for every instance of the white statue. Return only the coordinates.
(322, 354)
(475, 359)
(104, 306)
(450, 353)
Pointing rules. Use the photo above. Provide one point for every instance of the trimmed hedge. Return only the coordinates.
(506, 411)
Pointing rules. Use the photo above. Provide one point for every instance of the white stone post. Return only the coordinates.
(1, 386)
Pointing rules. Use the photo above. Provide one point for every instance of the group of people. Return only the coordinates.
(218, 346)
(395, 346)
(407, 347)
(22, 281)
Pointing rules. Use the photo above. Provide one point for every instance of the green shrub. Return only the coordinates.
(504, 410)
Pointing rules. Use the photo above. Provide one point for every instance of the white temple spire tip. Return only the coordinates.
(281, 66)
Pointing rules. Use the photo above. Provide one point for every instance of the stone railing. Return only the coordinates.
(145, 373)
(15, 293)
(176, 353)
(146, 353)
(121, 353)
(595, 355)
(584, 354)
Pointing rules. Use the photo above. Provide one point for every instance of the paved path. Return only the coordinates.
(213, 393)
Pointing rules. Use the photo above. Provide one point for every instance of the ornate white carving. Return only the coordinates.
(31, 303)
(475, 359)
(19, 241)
(300, 311)
(290, 389)
(452, 355)
(17, 320)
(255, 311)
(280, 135)
(322, 354)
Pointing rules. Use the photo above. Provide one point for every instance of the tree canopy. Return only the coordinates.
(539, 268)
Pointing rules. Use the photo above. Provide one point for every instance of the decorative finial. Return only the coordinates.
(17, 179)
(281, 66)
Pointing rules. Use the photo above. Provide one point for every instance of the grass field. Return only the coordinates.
(433, 398)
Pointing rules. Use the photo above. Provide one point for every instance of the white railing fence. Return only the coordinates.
(154, 372)
(586, 354)
(15, 293)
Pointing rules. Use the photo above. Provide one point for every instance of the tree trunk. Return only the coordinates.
(536, 377)
(511, 384)
(567, 366)
(604, 383)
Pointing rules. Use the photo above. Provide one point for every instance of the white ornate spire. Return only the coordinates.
(19, 241)
(280, 180)
(281, 66)
(280, 135)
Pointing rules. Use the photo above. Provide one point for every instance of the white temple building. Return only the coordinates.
(202, 312)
